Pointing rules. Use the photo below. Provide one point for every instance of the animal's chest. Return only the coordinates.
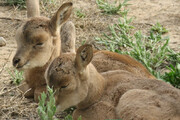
(35, 77)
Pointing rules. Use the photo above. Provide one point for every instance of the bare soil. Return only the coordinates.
(146, 13)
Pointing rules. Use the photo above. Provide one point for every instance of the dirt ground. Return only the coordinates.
(145, 12)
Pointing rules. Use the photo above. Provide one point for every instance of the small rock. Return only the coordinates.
(2, 42)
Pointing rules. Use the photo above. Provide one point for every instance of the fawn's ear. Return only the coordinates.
(84, 56)
(61, 16)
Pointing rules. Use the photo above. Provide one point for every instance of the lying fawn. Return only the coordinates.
(38, 43)
(115, 94)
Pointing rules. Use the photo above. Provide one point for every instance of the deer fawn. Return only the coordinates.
(38, 43)
(115, 94)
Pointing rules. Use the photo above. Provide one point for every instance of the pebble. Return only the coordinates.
(2, 42)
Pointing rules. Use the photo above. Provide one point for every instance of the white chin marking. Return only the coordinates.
(26, 66)
(32, 65)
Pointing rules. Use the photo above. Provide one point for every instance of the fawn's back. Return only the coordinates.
(106, 61)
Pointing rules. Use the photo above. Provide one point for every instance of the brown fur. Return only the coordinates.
(32, 8)
(115, 94)
(106, 61)
(68, 37)
(35, 57)
(38, 43)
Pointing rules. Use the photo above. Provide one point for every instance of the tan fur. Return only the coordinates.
(115, 94)
(38, 43)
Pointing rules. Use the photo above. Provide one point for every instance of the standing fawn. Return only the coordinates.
(115, 94)
(38, 43)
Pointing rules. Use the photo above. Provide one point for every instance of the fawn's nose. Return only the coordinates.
(16, 61)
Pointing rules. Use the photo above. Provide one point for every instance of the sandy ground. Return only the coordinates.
(146, 13)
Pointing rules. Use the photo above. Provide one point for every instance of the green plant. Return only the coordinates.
(48, 5)
(112, 8)
(173, 77)
(152, 51)
(46, 2)
(119, 37)
(47, 109)
(69, 117)
(80, 14)
(17, 76)
(83, 42)
(158, 28)
(173, 57)
(19, 3)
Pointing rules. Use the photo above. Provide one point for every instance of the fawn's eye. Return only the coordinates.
(64, 86)
(39, 44)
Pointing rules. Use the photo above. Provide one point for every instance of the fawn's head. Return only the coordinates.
(68, 75)
(39, 38)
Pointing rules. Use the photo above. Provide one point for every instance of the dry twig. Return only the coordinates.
(11, 89)
(9, 18)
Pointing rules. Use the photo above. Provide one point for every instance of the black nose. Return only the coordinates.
(16, 61)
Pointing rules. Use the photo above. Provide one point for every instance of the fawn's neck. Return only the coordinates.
(95, 90)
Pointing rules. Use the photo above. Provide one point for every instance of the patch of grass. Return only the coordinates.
(20, 3)
(112, 8)
(119, 37)
(83, 42)
(173, 77)
(174, 58)
(47, 2)
(152, 50)
(80, 14)
(17, 76)
(47, 109)
(158, 28)
(47, 5)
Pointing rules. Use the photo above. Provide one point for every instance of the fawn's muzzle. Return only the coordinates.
(16, 62)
